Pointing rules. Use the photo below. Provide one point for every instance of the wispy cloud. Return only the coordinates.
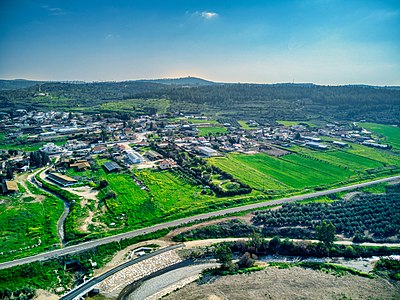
(54, 11)
(205, 15)
(208, 15)
(382, 15)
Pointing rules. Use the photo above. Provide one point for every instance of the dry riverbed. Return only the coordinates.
(293, 283)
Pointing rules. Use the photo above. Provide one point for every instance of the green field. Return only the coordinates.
(200, 121)
(135, 105)
(28, 225)
(390, 134)
(384, 156)
(205, 131)
(292, 123)
(167, 195)
(292, 171)
(170, 192)
(246, 126)
(342, 158)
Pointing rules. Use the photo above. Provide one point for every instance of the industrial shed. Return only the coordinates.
(61, 179)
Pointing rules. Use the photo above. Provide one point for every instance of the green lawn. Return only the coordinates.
(205, 131)
(390, 133)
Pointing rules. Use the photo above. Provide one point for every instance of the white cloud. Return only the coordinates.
(54, 11)
(208, 15)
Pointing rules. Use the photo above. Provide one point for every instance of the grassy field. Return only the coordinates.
(384, 156)
(136, 105)
(290, 172)
(167, 195)
(170, 192)
(205, 131)
(342, 158)
(28, 223)
(200, 121)
(292, 123)
(390, 134)
(246, 126)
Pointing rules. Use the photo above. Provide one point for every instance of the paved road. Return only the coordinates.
(89, 285)
(91, 244)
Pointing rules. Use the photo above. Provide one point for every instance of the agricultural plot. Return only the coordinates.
(28, 223)
(321, 168)
(386, 157)
(294, 175)
(247, 173)
(290, 172)
(205, 131)
(170, 192)
(390, 134)
(341, 158)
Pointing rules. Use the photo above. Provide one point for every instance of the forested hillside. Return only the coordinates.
(264, 103)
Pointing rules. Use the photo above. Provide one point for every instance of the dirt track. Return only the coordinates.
(294, 283)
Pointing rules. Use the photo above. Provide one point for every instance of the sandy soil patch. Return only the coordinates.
(294, 283)
(45, 295)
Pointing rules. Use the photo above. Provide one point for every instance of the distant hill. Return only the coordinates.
(16, 84)
(184, 81)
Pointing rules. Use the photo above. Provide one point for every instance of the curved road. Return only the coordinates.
(91, 244)
(87, 286)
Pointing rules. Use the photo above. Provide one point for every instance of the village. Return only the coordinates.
(131, 142)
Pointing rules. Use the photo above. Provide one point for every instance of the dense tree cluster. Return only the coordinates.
(376, 214)
(232, 228)
(38, 159)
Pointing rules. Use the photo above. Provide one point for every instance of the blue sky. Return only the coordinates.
(320, 41)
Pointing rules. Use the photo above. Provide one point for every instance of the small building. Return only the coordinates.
(111, 166)
(339, 144)
(62, 180)
(153, 155)
(316, 145)
(80, 165)
(207, 151)
(133, 157)
(99, 149)
(376, 145)
(10, 187)
(51, 148)
(167, 164)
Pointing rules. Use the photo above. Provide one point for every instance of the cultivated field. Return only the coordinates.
(291, 171)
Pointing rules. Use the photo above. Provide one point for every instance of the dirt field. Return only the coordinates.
(294, 283)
